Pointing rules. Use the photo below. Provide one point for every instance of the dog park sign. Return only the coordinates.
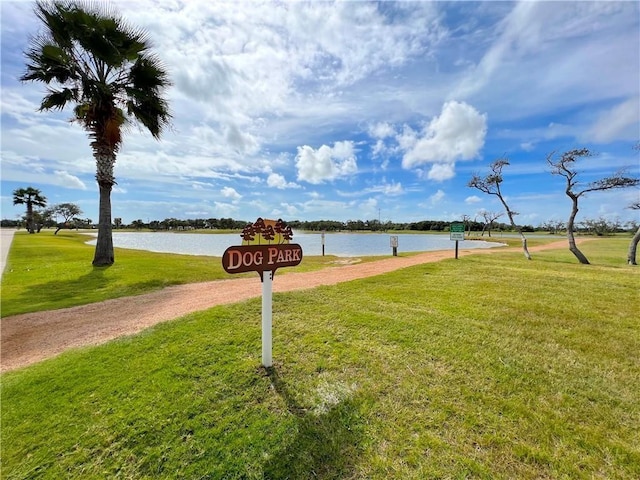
(265, 248)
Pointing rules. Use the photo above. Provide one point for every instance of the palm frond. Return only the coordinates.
(48, 62)
(148, 73)
(89, 55)
(54, 18)
(58, 99)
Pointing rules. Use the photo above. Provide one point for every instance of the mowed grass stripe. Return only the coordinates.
(485, 367)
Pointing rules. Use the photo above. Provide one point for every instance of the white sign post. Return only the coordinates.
(267, 315)
(265, 248)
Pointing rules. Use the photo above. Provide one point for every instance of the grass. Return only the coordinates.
(46, 272)
(486, 367)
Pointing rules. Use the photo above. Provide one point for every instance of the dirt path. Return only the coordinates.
(32, 337)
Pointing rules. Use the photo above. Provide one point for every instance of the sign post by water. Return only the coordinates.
(393, 240)
(265, 248)
(456, 232)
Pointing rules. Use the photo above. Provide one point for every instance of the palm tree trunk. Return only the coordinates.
(30, 228)
(573, 248)
(105, 156)
(631, 256)
(104, 246)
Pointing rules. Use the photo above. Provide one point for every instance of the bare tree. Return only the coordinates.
(565, 167)
(633, 246)
(491, 186)
(489, 219)
(553, 226)
(466, 220)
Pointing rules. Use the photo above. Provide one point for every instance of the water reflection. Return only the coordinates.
(339, 244)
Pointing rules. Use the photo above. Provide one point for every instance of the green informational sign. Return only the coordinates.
(456, 231)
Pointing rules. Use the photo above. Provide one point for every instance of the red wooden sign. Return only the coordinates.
(265, 247)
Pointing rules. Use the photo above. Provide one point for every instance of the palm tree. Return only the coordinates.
(89, 57)
(30, 197)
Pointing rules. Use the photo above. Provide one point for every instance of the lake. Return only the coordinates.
(339, 244)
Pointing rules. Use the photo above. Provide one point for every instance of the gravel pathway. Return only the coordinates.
(32, 337)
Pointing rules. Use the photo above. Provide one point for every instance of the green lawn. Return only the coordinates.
(46, 272)
(488, 367)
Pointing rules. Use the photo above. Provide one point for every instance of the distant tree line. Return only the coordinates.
(563, 165)
(599, 226)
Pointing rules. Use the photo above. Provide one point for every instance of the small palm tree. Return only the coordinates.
(30, 197)
(89, 57)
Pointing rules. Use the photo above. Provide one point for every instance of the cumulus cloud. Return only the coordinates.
(472, 199)
(326, 163)
(231, 193)
(441, 172)
(457, 134)
(381, 130)
(276, 180)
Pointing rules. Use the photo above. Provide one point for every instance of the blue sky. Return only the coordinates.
(349, 110)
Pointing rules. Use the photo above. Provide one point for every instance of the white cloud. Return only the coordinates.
(66, 180)
(266, 50)
(201, 185)
(378, 149)
(253, 81)
(457, 134)
(561, 48)
(441, 172)
(242, 142)
(368, 208)
(472, 199)
(381, 130)
(326, 163)
(276, 180)
(619, 123)
(229, 192)
(290, 209)
(392, 189)
(437, 197)
(226, 209)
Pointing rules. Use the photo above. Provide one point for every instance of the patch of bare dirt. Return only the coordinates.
(32, 337)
